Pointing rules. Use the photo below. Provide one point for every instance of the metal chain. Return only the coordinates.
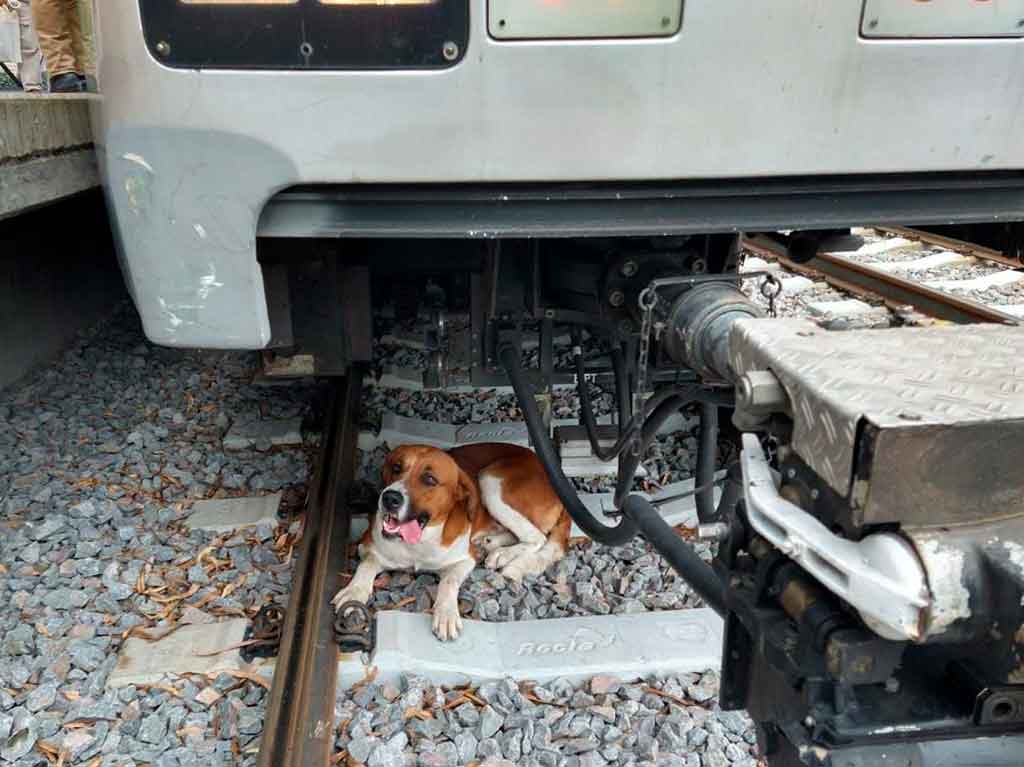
(648, 300)
(770, 289)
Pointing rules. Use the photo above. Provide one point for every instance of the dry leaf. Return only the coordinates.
(416, 713)
(369, 675)
(246, 675)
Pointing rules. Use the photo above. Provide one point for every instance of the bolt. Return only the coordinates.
(791, 473)
(809, 721)
(306, 49)
(873, 24)
(549, 314)
(815, 493)
(665, 21)
(1020, 23)
(699, 266)
(629, 269)
(616, 298)
(163, 48)
(450, 51)
(892, 685)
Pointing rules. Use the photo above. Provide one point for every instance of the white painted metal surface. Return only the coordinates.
(879, 576)
(943, 18)
(568, 19)
(191, 157)
(627, 646)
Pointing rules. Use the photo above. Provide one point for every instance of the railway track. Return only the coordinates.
(302, 726)
(303, 715)
(936, 276)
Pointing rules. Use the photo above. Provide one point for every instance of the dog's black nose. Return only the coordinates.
(391, 500)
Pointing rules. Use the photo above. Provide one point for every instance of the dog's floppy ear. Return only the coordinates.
(466, 492)
(392, 458)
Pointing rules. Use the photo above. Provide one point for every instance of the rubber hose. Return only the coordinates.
(627, 428)
(621, 384)
(707, 449)
(677, 552)
(597, 530)
(631, 458)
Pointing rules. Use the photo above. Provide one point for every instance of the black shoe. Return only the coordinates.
(65, 83)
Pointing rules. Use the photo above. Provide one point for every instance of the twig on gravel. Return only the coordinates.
(236, 646)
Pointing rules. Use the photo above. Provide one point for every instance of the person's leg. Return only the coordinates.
(30, 72)
(55, 40)
(88, 36)
(73, 20)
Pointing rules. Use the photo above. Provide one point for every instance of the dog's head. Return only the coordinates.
(423, 486)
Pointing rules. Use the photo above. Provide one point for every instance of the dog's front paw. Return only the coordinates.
(351, 593)
(447, 622)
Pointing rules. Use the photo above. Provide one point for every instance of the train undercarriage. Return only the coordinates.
(869, 566)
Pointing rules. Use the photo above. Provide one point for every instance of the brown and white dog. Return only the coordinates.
(443, 511)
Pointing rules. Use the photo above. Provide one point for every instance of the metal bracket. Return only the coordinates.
(880, 575)
(264, 632)
(354, 628)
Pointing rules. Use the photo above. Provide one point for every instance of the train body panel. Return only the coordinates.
(190, 157)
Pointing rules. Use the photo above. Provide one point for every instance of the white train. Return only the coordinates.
(225, 121)
(269, 164)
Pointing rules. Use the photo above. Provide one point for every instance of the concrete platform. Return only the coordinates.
(625, 646)
(55, 281)
(46, 150)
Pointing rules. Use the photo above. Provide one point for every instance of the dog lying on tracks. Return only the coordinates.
(444, 511)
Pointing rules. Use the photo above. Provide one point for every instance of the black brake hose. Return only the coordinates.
(707, 449)
(609, 536)
(621, 383)
(677, 552)
(627, 428)
(638, 515)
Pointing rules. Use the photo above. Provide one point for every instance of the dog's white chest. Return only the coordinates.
(428, 554)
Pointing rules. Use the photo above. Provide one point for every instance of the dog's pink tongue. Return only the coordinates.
(411, 531)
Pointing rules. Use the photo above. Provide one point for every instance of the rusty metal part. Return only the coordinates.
(264, 632)
(299, 729)
(354, 628)
(951, 243)
(867, 282)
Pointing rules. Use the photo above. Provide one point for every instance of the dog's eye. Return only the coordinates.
(396, 468)
(429, 479)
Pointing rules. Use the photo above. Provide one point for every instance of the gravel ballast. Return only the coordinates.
(663, 720)
(103, 453)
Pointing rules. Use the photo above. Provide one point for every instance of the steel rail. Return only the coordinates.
(951, 243)
(868, 282)
(299, 725)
